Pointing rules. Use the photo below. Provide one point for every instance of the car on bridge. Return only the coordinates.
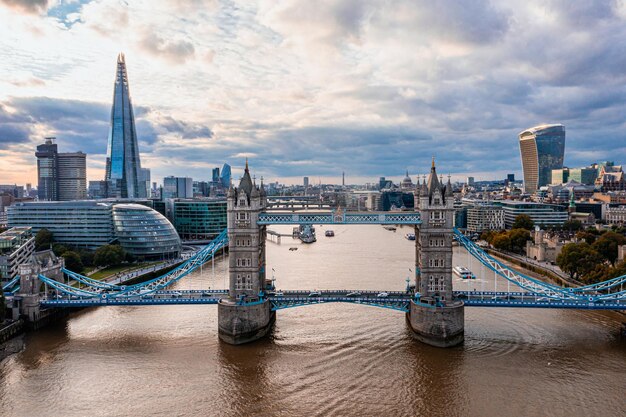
(279, 294)
(382, 295)
(353, 294)
(315, 294)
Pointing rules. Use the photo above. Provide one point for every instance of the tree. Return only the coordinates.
(607, 244)
(578, 259)
(109, 255)
(572, 225)
(586, 236)
(59, 249)
(43, 239)
(518, 239)
(86, 257)
(72, 261)
(523, 221)
(501, 242)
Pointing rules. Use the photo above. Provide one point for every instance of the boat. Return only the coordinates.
(463, 273)
(391, 228)
(410, 236)
(293, 248)
(307, 234)
(329, 233)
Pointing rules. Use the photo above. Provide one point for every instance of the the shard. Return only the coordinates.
(123, 168)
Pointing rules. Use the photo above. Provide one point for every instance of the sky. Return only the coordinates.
(314, 88)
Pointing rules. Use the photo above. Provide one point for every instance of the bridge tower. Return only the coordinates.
(435, 317)
(245, 315)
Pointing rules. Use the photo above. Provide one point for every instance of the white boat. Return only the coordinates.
(307, 234)
(463, 273)
(410, 236)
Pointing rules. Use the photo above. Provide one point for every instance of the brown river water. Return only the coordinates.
(332, 359)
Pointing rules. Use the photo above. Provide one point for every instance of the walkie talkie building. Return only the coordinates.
(542, 149)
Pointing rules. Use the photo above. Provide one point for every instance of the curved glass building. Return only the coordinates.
(542, 149)
(144, 232)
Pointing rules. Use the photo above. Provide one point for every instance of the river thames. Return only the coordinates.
(332, 359)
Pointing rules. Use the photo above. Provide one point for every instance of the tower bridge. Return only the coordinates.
(247, 309)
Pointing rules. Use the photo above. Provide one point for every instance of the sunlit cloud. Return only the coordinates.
(313, 88)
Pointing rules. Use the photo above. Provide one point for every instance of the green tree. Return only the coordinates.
(86, 257)
(109, 255)
(607, 244)
(578, 259)
(518, 239)
(501, 242)
(523, 221)
(59, 249)
(572, 225)
(43, 239)
(72, 261)
(586, 236)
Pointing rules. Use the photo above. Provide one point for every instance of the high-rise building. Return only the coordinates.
(215, 177)
(177, 187)
(72, 176)
(510, 177)
(305, 180)
(225, 176)
(470, 181)
(542, 149)
(62, 176)
(47, 170)
(123, 167)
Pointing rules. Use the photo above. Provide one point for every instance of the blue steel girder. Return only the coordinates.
(281, 303)
(334, 217)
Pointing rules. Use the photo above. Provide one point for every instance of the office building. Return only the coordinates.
(611, 178)
(510, 177)
(177, 187)
(46, 154)
(72, 176)
(140, 230)
(199, 219)
(225, 176)
(586, 175)
(123, 166)
(97, 189)
(145, 233)
(616, 214)
(62, 176)
(16, 246)
(86, 224)
(542, 149)
(481, 217)
(215, 175)
(470, 181)
(305, 181)
(544, 215)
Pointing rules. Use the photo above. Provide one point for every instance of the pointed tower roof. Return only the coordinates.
(449, 188)
(424, 190)
(262, 188)
(246, 182)
(433, 182)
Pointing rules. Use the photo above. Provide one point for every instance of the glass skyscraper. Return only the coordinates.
(123, 168)
(542, 149)
(225, 177)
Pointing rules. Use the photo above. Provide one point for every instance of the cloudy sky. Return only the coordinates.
(314, 87)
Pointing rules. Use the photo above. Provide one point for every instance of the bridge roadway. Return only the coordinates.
(397, 300)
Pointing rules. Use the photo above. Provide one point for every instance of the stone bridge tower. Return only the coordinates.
(435, 317)
(245, 315)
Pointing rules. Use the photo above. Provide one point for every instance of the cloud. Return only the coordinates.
(314, 88)
(27, 6)
(177, 51)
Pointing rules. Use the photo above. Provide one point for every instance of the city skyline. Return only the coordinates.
(260, 80)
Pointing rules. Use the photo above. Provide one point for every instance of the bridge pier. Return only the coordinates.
(239, 324)
(437, 326)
